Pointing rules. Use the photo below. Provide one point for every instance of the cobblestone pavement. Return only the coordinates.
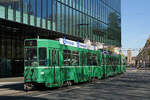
(133, 85)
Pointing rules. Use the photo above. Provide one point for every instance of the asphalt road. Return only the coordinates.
(132, 85)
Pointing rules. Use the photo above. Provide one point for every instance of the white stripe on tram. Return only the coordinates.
(60, 67)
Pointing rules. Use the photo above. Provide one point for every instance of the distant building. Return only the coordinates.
(131, 61)
(143, 58)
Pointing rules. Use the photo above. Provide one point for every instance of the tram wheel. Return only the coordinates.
(69, 83)
(27, 88)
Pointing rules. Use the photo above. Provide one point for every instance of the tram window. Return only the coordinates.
(112, 61)
(58, 57)
(106, 61)
(67, 57)
(98, 60)
(109, 61)
(102, 60)
(54, 57)
(75, 58)
(30, 56)
(49, 57)
(82, 59)
(116, 61)
(42, 57)
(89, 59)
(94, 60)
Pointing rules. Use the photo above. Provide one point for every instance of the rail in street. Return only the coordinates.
(132, 85)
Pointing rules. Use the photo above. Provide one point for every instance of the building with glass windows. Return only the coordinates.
(97, 20)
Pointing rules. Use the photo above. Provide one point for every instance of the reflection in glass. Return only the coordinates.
(99, 20)
(42, 57)
(30, 56)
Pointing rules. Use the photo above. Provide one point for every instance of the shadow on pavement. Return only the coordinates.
(21, 98)
(17, 86)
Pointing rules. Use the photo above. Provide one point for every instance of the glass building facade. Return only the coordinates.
(97, 20)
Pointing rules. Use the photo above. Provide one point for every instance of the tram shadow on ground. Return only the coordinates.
(18, 87)
(21, 98)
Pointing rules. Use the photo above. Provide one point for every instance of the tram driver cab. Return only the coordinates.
(34, 55)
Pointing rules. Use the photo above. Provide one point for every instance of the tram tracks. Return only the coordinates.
(37, 93)
(42, 93)
(70, 88)
(17, 93)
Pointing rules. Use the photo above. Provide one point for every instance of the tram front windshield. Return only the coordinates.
(30, 57)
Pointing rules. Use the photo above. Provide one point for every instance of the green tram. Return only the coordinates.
(57, 63)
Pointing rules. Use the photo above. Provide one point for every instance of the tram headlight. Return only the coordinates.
(42, 73)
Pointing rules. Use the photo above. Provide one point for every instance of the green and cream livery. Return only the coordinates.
(54, 63)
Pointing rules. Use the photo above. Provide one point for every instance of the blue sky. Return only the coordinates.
(135, 23)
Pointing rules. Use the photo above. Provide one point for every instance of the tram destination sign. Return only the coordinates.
(76, 44)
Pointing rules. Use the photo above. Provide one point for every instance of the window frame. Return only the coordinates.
(45, 56)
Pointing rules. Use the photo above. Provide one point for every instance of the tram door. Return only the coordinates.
(54, 65)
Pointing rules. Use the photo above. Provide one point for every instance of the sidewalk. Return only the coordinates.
(11, 80)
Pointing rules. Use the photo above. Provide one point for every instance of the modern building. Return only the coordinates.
(97, 20)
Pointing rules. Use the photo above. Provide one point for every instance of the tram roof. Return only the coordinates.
(54, 43)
